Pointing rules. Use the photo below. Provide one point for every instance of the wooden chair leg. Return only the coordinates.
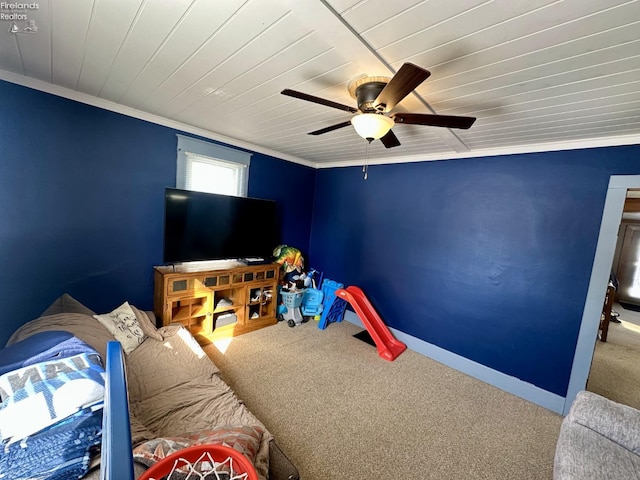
(605, 319)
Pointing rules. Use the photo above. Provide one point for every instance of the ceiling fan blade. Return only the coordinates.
(401, 84)
(390, 140)
(321, 101)
(449, 121)
(331, 128)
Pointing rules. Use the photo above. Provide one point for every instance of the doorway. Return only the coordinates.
(626, 262)
(615, 368)
(603, 259)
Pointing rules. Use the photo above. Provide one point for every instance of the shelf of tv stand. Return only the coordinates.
(189, 294)
(230, 308)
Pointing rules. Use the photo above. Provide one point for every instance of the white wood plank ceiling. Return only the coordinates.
(537, 74)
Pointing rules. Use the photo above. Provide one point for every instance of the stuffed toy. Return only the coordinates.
(289, 258)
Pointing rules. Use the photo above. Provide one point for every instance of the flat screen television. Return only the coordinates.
(205, 226)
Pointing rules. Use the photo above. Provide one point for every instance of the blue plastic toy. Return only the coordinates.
(312, 302)
(334, 307)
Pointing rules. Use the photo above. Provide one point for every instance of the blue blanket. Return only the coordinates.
(51, 411)
(41, 347)
(37, 396)
(62, 452)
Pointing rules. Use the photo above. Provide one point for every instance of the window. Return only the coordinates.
(211, 168)
(206, 174)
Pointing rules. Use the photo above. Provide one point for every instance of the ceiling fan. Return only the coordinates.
(376, 97)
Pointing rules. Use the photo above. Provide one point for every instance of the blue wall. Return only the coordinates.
(81, 203)
(292, 187)
(489, 258)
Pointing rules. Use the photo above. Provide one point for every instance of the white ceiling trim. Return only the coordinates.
(492, 152)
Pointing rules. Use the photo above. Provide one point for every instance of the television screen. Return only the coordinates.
(205, 226)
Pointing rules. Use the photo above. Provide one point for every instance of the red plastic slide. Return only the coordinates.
(388, 347)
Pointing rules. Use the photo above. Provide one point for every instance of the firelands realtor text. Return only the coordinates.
(11, 14)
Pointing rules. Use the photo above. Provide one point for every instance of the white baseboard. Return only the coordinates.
(509, 384)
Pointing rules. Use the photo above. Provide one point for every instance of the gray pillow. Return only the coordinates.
(147, 325)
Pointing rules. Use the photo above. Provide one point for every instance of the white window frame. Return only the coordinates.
(192, 152)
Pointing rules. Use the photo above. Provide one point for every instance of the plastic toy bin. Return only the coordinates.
(291, 299)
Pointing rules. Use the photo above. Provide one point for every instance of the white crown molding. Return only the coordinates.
(139, 114)
(492, 152)
(156, 119)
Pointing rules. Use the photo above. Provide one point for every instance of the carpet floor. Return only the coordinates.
(340, 411)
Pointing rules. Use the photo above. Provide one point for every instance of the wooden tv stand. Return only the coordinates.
(204, 296)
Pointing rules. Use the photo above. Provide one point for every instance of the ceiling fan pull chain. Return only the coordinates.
(365, 167)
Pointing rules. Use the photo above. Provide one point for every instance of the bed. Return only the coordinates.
(176, 394)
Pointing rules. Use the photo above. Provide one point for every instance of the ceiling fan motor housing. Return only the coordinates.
(366, 95)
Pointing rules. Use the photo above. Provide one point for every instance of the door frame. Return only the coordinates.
(602, 262)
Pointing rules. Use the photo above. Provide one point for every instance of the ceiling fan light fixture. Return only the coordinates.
(372, 126)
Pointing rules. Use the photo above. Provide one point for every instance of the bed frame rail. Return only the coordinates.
(117, 456)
